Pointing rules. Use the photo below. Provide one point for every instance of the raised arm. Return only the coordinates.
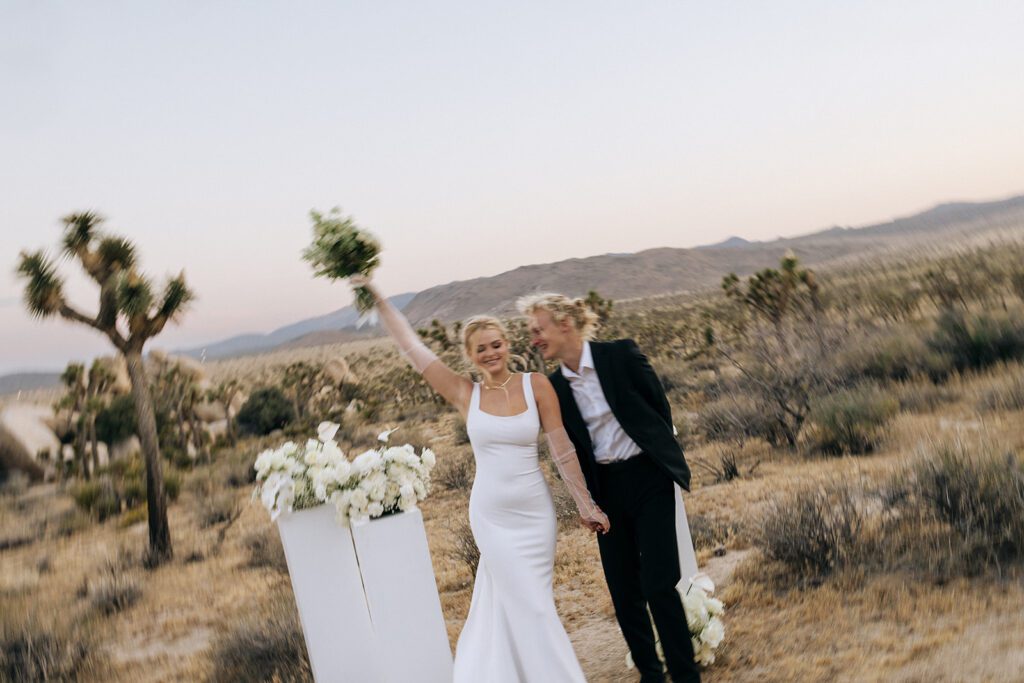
(564, 454)
(453, 387)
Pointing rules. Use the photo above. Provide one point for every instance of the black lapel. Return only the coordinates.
(603, 368)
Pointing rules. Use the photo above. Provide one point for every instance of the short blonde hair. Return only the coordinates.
(561, 308)
(479, 323)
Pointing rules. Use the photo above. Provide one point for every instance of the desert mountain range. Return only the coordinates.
(631, 275)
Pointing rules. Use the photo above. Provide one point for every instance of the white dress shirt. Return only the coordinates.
(611, 444)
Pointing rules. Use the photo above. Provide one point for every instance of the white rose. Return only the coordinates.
(375, 509)
(713, 633)
(696, 613)
(715, 607)
(326, 431)
(428, 457)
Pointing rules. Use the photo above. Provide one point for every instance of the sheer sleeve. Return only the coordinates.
(453, 387)
(564, 455)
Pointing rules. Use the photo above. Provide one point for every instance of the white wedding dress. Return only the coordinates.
(512, 633)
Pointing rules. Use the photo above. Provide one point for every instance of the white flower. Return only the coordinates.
(428, 458)
(696, 613)
(715, 607)
(703, 581)
(375, 509)
(326, 431)
(386, 434)
(367, 461)
(713, 633)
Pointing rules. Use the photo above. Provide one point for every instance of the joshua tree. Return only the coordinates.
(129, 315)
(601, 307)
(100, 379)
(225, 393)
(73, 401)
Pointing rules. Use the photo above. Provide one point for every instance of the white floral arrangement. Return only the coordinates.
(375, 483)
(704, 617)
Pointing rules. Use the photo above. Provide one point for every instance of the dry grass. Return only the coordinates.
(222, 610)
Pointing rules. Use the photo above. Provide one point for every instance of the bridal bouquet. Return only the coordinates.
(704, 617)
(341, 249)
(377, 482)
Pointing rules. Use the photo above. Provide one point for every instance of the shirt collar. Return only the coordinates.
(586, 361)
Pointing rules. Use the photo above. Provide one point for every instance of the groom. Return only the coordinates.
(619, 420)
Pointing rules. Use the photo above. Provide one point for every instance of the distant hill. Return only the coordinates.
(651, 272)
(28, 381)
(341, 319)
(666, 270)
(729, 243)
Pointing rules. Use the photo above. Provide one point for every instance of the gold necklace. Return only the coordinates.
(502, 385)
(508, 399)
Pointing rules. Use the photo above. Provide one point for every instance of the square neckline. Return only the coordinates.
(527, 387)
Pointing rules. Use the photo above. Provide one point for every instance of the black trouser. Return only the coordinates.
(641, 564)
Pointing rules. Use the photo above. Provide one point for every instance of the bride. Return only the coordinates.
(512, 633)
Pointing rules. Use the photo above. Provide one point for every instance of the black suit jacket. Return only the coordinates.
(638, 402)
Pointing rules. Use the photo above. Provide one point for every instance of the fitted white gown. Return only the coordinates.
(513, 633)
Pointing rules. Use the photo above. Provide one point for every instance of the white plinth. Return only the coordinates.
(367, 598)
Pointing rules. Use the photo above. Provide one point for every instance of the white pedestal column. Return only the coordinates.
(402, 595)
(367, 598)
(329, 593)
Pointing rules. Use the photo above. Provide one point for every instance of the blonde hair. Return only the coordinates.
(479, 323)
(561, 308)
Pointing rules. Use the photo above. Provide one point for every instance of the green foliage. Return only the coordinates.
(979, 493)
(899, 354)
(265, 410)
(263, 649)
(30, 651)
(44, 290)
(341, 249)
(115, 591)
(976, 342)
(116, 422)
(99, 498)
(852, 421)
(814, 531)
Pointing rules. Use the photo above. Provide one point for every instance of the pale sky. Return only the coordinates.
(473, 137)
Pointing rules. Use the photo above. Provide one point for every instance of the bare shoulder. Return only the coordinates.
(541, 384)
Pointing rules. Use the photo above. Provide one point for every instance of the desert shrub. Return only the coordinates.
(454, 471)
(266, 409)
(707, 532)
(979, 493)
(133, 516)
(32, 652)
(897, 355)
(464, 546)
(1004, 392)
(14, 483)
(240, 474)
(172, 485)
(460, 433)
(735, 417)
(115, 591)
(978, 342)
(923, 396)
(116, 421)
(70, 522)
(263, 648)
(98, 497)
(725, 468)
(814, 531)
(852, 421)
(265, 550)
(218, 508)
